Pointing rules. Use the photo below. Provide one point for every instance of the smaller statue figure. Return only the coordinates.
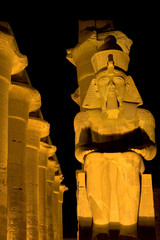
(113, 130)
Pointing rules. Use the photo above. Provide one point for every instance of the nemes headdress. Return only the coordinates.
(115, 47)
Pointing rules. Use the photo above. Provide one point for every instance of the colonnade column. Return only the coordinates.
(62, 189)
(56, 207)
(45, 152)
(36, 129)
(51, 168)
(22, 100)
(11, 62)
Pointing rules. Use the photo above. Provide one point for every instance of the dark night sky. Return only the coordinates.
(43, 33)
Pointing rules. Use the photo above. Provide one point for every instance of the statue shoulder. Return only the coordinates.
(145, 115)
(85, 118)
(81, 118)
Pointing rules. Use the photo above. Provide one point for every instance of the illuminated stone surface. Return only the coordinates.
(55, 192)
(27, 157)
(83, 207)
(51, 169)
(112, 134)
(146, 202)
(62, 189)
(11, 62)
(36, 129)
(22, 100)
(57, 199)
(45, 152)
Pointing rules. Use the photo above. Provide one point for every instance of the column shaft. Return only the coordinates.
(62, 188)
(42, 203)
(9, 63)
(50, 220)
(16, 182)
(56, 207)
(32, 192)
(51, 168)
(4, 88)
(45, 152)
(20, 103)
(35, 130)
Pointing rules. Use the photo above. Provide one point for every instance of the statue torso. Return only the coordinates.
(101, 124)
(113, 135)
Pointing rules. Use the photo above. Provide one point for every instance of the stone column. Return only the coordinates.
(56, 207)
(80, 56)
(51, 169)
(36, 129)
(62, 189)
(22, 100)
(11, 62)
(45, 152)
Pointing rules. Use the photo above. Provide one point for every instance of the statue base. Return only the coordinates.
(147, 227)
(143, 233)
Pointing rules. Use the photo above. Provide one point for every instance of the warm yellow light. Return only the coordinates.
(112, 134)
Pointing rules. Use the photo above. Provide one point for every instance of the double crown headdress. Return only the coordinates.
(116, 46)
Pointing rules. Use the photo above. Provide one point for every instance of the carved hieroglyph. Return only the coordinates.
(112, 134)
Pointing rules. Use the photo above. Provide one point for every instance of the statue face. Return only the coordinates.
(111, 85)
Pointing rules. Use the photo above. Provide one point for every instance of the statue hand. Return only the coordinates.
(82, 152)
(147, 152)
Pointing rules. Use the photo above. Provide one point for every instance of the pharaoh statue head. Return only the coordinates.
(111, 89)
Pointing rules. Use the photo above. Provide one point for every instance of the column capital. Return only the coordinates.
(47, 149)
(59, 178)
(20, 95)
(62, 189)
(38, 125)
(9, 48)
(51, 169)
(36, 129)
(57, 181)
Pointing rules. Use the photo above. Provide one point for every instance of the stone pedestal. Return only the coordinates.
(45, 152)
(22, 100)
(11, 62)
(36, 129)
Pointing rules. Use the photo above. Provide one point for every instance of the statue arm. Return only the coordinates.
(147, 123)
(82, 136)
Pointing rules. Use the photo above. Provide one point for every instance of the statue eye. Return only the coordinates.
(103, 81)
(119, 81)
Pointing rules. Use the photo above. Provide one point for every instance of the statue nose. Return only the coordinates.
(111, 85)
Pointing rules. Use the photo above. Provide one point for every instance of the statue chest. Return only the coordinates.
(114, 135)
(104, 126)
